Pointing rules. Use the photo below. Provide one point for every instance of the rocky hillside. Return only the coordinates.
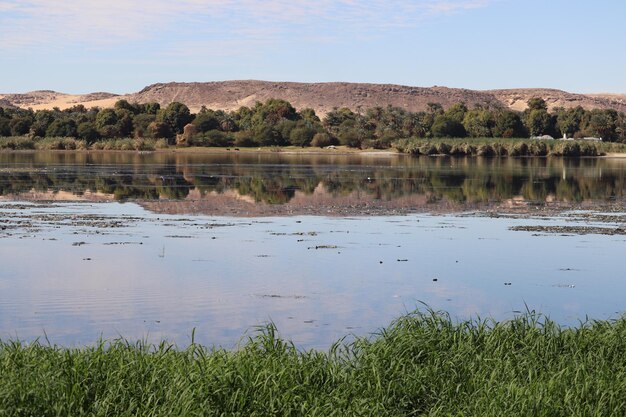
(230, 95)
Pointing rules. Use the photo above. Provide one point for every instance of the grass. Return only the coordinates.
(506, 147)
(422, 364)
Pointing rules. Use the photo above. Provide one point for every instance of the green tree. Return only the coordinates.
(301, 136)
(160, 130)
(321, 140)
(87, 131)
(149, 108)
(176, 115)
(337, 117)
(206, 120)
(124, 124)
(141, 123)
(43, 119)
(508, 124)
(125, 105)
(105, 118)
(569, 121)
(62, 127)
(456, 112)
(537, 122)
(537, 103)
(20, 125)
(602, 123)
(478, 123)
(445, 126)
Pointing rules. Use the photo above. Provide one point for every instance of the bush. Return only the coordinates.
(244, 139)
(443, 148)
(538, 149)
(485, 150)
(350, 138)
(212, 138)
(518, 149)
(321, 140)
(469, 149)
(17, 143)
(566, 149)
(53, 144)
(161, 144)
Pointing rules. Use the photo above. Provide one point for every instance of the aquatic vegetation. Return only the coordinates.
(422, 364)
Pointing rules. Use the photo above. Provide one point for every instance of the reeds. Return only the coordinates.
(506, 147)
(422, 364)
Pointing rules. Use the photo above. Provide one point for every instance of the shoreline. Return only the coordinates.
(338, 151)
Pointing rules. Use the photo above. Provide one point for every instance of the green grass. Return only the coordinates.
(422, 364)
(505, 147)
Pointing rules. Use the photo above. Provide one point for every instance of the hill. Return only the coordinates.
(230, 95)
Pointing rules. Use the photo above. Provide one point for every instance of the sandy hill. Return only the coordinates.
(47, 99)
(230, 95)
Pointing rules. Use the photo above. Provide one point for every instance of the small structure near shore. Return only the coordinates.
(542, 137)
(587, 138)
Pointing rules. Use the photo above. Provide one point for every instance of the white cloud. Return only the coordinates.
(97, 22)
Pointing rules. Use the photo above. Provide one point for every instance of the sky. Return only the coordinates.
(120, 46)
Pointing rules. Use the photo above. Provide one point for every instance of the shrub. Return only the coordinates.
(518, 149)
(17, 143)
(244, 139)
(485, 150)
(443, 148)
(538, 149)
(321, 140)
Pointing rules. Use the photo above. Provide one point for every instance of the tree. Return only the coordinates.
(268, 136)
(456, 112)
(337, 117)
(176, 115)
(307, 114)
(87, 131)
(125, 105)
(43, 119)
(301, 136)
(141, 123)
(537, 122)
(351, 138)
(124, 123)
(20, 126)
(537, 103)
(62, 127)
(508, 124)
(160, 130)
(445, 126)
(5, 127)
(569, 121)
(206, 120)
(478, 123)
(149, 108)
(321, 140)
(602, 123)
(104, 118)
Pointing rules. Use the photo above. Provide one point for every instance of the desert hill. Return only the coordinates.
(230, 95)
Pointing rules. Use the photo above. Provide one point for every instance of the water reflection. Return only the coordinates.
(277, 179)
(80, 271)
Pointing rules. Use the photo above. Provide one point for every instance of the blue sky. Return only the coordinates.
(80, 46)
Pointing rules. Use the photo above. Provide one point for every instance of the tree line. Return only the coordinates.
(277, 123)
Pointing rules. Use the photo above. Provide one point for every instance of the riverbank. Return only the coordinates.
(422, 364)
(486, 147)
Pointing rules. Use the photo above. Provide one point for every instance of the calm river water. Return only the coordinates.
(154, 245)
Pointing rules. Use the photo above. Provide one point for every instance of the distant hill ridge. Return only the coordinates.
(323, 97)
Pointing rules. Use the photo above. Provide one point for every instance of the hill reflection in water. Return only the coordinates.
(257, 184)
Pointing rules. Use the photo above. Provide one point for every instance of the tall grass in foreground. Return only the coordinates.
(422, 364)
